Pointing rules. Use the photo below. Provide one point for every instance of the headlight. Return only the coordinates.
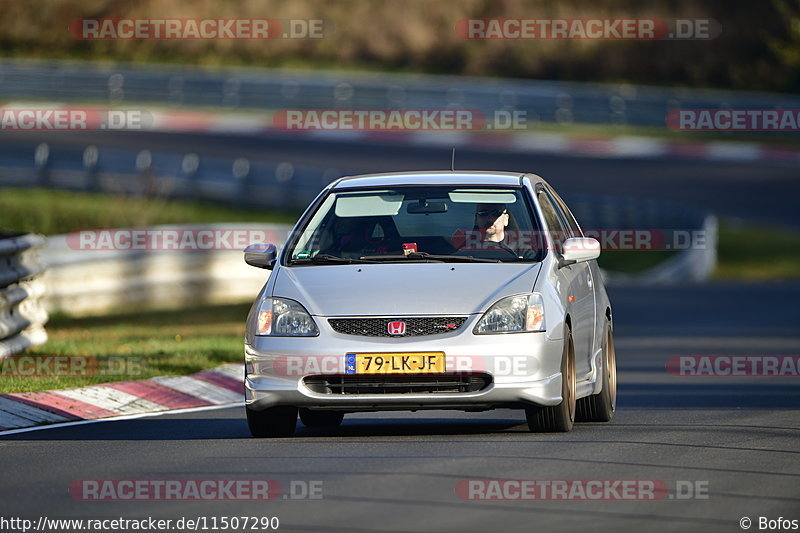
(514, 314)
(284, 318)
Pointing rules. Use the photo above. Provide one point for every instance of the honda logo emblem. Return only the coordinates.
(396, 327)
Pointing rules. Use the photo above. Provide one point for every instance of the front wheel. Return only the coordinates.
(272, 422)
(600, 407)
(561, 417)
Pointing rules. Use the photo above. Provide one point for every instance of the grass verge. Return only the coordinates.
(747, 253)
(131, 347)
(757, 253)
(53, 212)
(632, 261)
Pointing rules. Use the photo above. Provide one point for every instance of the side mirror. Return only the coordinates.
(261, 255)
(579, 249)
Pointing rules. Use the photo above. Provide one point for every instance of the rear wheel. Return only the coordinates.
(272, 422)
(321, 419)
(600, 407)
(561, 417)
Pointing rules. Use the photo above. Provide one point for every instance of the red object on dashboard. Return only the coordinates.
(409, 247)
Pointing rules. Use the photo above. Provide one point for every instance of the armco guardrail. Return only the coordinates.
(691, 265)
(22, 315)
(90, 280)
(155, 173)
(232, 88)
(690, 233)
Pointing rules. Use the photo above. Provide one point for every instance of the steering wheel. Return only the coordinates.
(487, 246)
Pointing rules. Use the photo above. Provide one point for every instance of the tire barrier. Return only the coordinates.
(22, 311)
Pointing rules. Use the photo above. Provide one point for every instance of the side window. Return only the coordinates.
(566, 215)
(553, 221)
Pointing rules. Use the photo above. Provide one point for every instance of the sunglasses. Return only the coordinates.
(493, 212)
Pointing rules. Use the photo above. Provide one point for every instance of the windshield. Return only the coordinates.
(407, 224)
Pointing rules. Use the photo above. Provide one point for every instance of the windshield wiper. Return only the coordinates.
(327, 259)
(424, 256)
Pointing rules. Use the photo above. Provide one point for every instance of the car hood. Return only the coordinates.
(403, 289)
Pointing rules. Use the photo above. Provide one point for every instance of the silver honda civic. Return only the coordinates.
(430, 290)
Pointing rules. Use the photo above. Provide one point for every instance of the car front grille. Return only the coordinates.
(414, 326)
(405, 384)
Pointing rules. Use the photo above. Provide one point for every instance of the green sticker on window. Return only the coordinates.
(304, 254)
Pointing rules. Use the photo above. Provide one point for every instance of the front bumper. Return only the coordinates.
(524, 369)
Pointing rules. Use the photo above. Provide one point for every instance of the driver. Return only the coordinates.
(491, 220)
(491, 231)
(488, 231)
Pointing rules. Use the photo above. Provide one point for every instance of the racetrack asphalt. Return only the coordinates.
(736, 439)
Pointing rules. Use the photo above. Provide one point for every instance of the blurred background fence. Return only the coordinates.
(115, 168)
(90, 282)
(155, 173)
(252, 88)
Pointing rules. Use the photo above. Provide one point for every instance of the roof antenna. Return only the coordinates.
(453, 161)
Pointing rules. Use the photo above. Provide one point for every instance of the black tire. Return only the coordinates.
(558, 418)
(272, 422)
(321, 419)
(600, 407)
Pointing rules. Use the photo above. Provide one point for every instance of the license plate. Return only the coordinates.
(394, 363)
